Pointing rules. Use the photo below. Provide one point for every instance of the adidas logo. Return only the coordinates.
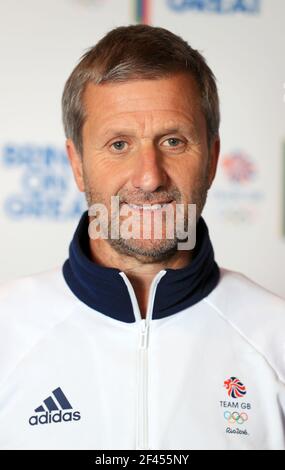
(54, 410)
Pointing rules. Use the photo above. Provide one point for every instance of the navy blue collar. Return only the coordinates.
(103, 288)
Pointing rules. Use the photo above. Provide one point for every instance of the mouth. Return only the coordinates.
(148, 206)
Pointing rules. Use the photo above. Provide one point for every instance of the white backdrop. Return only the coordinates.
(243, 42)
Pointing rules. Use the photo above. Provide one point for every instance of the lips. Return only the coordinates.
(142, 204)
(149, 206)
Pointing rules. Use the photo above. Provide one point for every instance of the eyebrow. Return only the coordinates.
(183, 128)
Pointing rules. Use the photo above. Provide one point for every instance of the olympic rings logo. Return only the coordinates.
(235, 417)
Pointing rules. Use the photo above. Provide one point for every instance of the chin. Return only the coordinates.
(151, 250)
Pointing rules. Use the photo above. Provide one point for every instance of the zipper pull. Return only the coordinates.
(144, 334)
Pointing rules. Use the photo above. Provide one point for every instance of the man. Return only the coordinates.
(141, 342)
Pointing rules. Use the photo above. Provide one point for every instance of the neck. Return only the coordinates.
(139, 269)
(104, 290)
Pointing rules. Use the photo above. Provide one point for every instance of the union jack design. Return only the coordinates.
(235, 387)
(238, 167)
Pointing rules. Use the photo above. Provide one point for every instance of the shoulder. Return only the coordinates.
(255, 312)
(34, 292)
(238, 287)
(30, 306)
(47, 281)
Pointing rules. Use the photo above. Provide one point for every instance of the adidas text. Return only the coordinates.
(56, 417)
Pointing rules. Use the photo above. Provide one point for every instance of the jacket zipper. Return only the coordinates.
(143, 369)
(142, 425)
(142, 401)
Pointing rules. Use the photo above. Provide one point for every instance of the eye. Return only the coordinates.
(119, 145)
(173, 141)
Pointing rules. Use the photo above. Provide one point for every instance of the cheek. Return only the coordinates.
(187, 171)
(189, 176)
(105, 177)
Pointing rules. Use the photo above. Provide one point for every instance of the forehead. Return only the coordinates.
(172, 98)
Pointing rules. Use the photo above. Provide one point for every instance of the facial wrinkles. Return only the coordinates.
(93, 195)
(139, 114)
(144, 118)
(144, 125)
(197, 194)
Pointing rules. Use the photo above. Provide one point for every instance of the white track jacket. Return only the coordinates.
(81, 369)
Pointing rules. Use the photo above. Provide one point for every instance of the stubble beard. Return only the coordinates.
(149, 250)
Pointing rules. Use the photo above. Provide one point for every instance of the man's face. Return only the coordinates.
(145, 141)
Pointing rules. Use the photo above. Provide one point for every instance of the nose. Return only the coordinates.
(148, 172)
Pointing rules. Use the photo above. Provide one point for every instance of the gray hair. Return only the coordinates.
(136, 52)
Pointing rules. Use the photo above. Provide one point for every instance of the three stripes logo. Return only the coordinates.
(56, 409)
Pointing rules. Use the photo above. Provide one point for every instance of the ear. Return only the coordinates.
(76, 164)
(213, 157)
